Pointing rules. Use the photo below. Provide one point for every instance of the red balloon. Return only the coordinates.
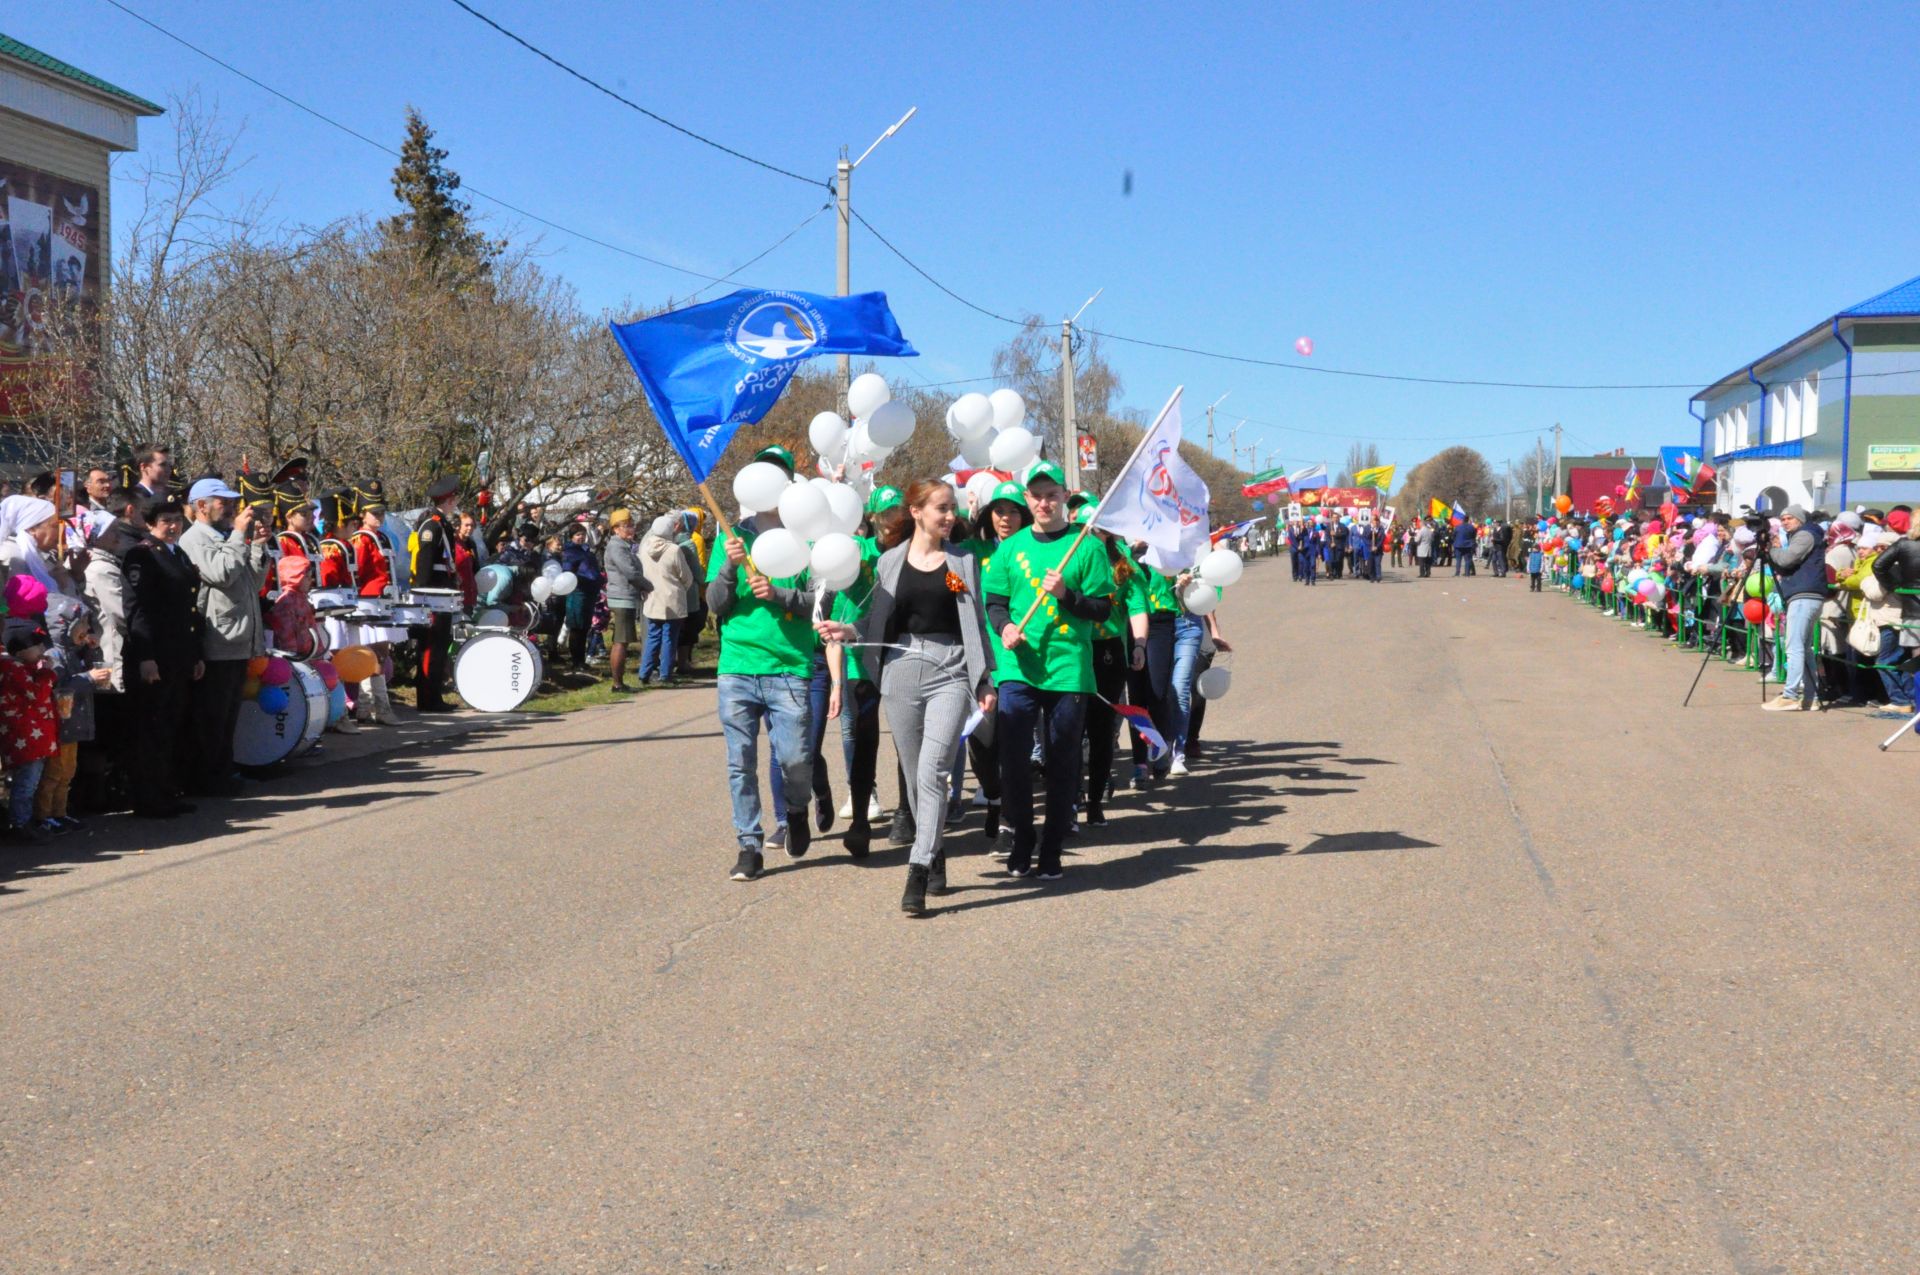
(1755, 610)
(1606, 585)
(1620, 491)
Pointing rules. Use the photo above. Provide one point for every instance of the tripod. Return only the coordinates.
(1730, 598)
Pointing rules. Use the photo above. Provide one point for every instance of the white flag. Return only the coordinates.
(1159, 499)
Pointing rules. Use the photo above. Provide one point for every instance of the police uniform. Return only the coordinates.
(432, 567)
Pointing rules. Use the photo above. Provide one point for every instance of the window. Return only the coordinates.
(1720, 434)
(1740, 427)
(1810, 404)
(1777, 414)
(1790, 427)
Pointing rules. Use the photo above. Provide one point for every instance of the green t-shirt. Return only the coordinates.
(850, 605)
(1058, 652)
(760, 638)
(1128, 598)
(1151, 592)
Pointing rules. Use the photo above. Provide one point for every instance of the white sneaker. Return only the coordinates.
(778, 841)
(980, 799)
(1179, 766)
(1783, 704)
(846, 808)
(874, 812)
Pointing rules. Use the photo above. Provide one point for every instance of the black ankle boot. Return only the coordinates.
(859, 836)
(901, 833)
(914, 901)
(937, 874)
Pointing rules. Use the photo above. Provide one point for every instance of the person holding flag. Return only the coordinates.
(1044, 600)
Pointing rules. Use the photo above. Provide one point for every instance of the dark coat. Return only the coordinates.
(162, 622)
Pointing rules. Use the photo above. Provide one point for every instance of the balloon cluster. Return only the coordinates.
(991, 430)
(818, 518)
(554, 581)
(1215, 571)
(880, 426)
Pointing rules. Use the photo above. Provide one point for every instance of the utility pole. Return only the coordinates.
(1070, 453)
(1233, 444)
(1217, 402)
(1556, 459)
(843, 195)
(1539, 477)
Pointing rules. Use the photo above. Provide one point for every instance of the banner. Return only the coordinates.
(1089, 457)
(713, 367)
(49, 276)
(1342, 498)
(1159, 499)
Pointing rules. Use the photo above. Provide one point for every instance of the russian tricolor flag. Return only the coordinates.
(1142, 722)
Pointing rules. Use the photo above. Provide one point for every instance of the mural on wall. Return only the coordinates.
(49, 275)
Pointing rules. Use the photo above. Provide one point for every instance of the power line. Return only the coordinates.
(630, 104)
(471, 189)
(1317, 369)
(1378, 438)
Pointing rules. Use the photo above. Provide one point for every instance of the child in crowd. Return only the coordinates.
(75, 660)
(1536, 565)
(29, 723)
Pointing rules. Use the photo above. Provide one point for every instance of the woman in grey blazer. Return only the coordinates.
(924, 642)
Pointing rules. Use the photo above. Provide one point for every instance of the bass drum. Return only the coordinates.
(262, 739)
(497, 671)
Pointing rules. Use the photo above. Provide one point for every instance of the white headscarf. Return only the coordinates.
(17, 514)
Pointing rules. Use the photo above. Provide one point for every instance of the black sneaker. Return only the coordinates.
(956, 812)
(1002, 845)
(747, 866)
(1096, 817)
(1020, 863)
(858, 839)
(799, 838)
(618, 689)
(1049, 871)
(937, 874)
(901, 833)
(823, 812)
(914, 901)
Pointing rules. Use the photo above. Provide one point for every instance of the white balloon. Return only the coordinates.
(564, 583)
(758, 486)
(804, 511)
(1009, 409)
(868, 391)
(778, 552)
(1199, 598)
(828, 431)
(950, 426)
(1221, 568)
(977, 452)
(541, 588)
(551, 568)
(1013, 449)
(846, 507)
(891, 423)
(1213, 683)
(835, 561)
(980, 488)
(972, 416)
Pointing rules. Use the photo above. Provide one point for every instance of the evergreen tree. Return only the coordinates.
(433, 219)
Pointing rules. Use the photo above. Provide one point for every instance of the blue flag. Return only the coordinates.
(713, 367)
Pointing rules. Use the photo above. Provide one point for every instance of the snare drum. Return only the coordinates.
(511, 615)
(261, 738)
(333, 600)
(407, 616)
(439, 601)
(497, 671)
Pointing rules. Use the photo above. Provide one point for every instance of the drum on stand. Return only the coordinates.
(261, 738)
(438, 601)
(333, 601)
(497, 670)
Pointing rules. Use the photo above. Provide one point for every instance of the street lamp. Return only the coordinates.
(1070, 452)
(843, 188)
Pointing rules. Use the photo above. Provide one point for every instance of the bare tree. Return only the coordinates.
(1359, 456)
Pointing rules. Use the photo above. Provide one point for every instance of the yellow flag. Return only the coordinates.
(1380, 476)
(1439, 508)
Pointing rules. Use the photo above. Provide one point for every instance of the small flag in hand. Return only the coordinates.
(1142, 722)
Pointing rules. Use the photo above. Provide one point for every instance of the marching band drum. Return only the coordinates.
(261, 738)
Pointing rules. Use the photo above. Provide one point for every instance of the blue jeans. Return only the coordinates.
(1803, 616)
(1021, 710)
(782, 700)
(659, 647)
(1899, 685)
(1187, 633)
(26, 782)
(819, 691)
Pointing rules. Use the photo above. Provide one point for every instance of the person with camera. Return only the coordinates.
(231, 553)
(1800, 573)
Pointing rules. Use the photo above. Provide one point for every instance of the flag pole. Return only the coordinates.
(1087, 526)
(726, 528)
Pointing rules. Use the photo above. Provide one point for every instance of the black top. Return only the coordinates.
(161, 590)
(923, 605)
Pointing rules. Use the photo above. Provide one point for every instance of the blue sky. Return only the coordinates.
(1631, 193)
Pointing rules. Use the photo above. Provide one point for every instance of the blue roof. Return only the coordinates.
(1902, 298)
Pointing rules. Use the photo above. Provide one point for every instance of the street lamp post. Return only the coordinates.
(843, 193)
(1070, 450)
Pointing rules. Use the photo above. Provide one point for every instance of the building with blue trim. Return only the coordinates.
(1829, 420)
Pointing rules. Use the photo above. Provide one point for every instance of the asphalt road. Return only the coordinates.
(1470, 951)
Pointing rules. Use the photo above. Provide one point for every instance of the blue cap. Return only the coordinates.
(208, 488)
